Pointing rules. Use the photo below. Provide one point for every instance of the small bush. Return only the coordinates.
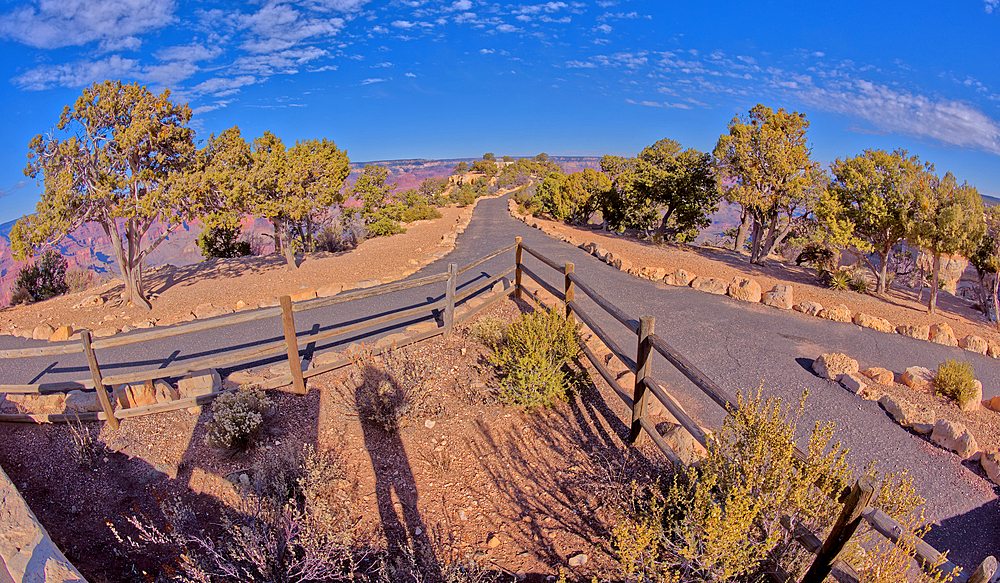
(44, 279)
(465, 197)
(840, 280)
(859, 284)
(385, 227)
(221, 241)
(489, 330)
(393, 388)
(817, 256)
(81, 279)
(956, 380)
(236, 418)
(531, 357)
(86, 451)
(420, 213)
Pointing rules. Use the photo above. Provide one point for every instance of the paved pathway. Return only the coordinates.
(737, 344)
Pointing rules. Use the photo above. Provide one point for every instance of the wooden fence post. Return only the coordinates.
(848, 521)
(643, 366)
(569, 288)
(449, 307)
(985, 572)
(95, 373)
(288, 323)
(517, 269)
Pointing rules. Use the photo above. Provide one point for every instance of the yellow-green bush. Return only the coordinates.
(956, 380)
(236, 417)
(531, 356)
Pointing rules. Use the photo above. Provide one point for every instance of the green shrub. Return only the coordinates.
(236, 418)
(489, 330)
(956, 380)
(859, 284)
(840, 280)
(531, 357)
(385, 227)
(44, 279)
(221, 241)
(420, 213)
(464, 196)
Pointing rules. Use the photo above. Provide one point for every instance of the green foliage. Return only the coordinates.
(817, 256)
(488, 168)
(531, 357)
(461, 167)
(236, 418)
(871, 203)
(859, 284)
(956, 380)
(222, 241)
(764, 161)
(379, 207)
(840, 280)
(43, 279)
(465, 195)
(122, 165)
(419, 213)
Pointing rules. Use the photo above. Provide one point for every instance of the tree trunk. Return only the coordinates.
(755, 244)
(774, 238)
(286, 245)
(660, 230)
(920, 292)
(132, 293)
(981, 292)
(741, 232)
(883, 271)
(996, 297)
(932, 304)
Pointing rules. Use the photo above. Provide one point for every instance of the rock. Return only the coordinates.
(242, 377)
(853, 383)
(144, 324)
(199, 383)
(833, 364)
(203, 311)
(919, 378)
(105, 332)
(165, 392)
(240, 305)
(119, 397)
(991, 465)
(943, 334)
(921, 332)
(61, 334)
(601, 253)
(196, 410)
(976, 401)
(430, 423)
(422, 327)
(498, 287)
(325, 358)
(90, 302)
(874, 322)
(141, 394)
(782, 296)
(953, 436)
(42, 332)
(271, 302)
(993, 404)
(950, 271)
(621, 264)
(657, 274)
(838, 313)
(809, 308)
(493, 542)
(178, 319)
(974, 343)
(578, 560)
(880, 375)
(330, 290)
(282, 368)
(916, 417)
(993, 351)
(709, 285)
(303, 295)
(745, 290)
(679, 277)
(682, 442)
(367, 283)
(82, 402)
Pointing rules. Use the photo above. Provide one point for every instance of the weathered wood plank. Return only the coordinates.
(644, 364)
(213, 362)
(616, 349)
(606, 374)
(482, 285)
(607, 306)
(543, 258)
(448, 318)
(292, 345)
(926, 555)
(46, 388)
(346, 361)
(341, 330)
(843, 529)
(368, 293)
(187, 328)
(95, 375)
(659, 441)
(53, 350)
(483, 306)
(659, 389)
(842, 570)
(51, 418)
(548, 286)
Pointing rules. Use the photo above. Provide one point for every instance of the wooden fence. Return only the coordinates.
(291, 345)
(856, 500)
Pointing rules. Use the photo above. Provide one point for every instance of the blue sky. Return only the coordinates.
(433, 79)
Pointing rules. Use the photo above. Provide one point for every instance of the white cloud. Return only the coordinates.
(50, 24)
(604, 28)
(191, 52)
(372, 80)
(507, 28)
(219, 104)
(77, 74)
(278, 27)
(465, 17)
(463, 5)
(487, 51)
(221, 86)
(280, 63)
(410, 75)
(580, 65)
(991, 5)
(404, 24)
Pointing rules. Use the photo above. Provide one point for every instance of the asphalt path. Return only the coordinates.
(740, 346)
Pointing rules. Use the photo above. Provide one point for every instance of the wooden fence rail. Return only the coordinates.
(855, 500)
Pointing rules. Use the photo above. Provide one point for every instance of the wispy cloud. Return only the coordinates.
(50, 24)
(991, 5)
(580, 65)
(372, 80)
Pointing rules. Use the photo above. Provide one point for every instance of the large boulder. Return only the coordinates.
(42, 332)
(920, 332)
(782, 296)
(974, 403)
(833, 364)
(141, 394)
(874, 322)
(974, 343)
(61, 334)
(203, 311)
(943, 334)
(165, 392)
(744, 289)
(991, 465)
(919, 378)
(199, 383)
(809, 308)
(916, 417)
(303, 294)
(709, 285)
(679, 277)
(953, 436)
(329, 290)
(838, 313)
(82, 402)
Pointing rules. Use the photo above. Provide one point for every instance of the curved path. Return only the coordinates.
(739, 345)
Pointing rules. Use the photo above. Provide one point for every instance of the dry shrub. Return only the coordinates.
(85, 450)
(531, 356)
(956, 380)
(728, 519)
(393, 388)
(489, 330)
(236, 418)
